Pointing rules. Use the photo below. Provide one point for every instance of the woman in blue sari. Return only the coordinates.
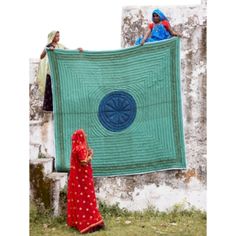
(159, 29)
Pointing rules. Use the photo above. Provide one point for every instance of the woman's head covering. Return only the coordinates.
(79, 136)
(43, 66)
(160, 14)
(51, 36)
(79, 143)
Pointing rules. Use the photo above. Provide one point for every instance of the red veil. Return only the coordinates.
(82, 210)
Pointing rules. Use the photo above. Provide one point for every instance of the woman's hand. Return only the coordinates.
(83, 163)
(178, 35)
(51, 48)
(80, 49)
(87, 161)
(90, 152)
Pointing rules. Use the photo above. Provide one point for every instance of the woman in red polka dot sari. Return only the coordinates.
(82, 210)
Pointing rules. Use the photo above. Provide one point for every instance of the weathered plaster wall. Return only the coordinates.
(41, 123)
(166, 188)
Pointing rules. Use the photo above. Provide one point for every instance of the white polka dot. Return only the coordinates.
(80, 223)
(87, 209)
(90, 217)
(91, 204)
(76, 222)
(83, 216)
(83, 201)
(76, 177)
(78, 185)
(80, 208)
(83, 180)
(75, 193)
(85, 187)
(86, 171)
(77, 200)
(87, 223)
(81, 193)
(88, 195)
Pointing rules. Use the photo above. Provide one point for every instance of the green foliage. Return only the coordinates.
(180, 210)
(112, 210)
(38, 212)
(120, 222)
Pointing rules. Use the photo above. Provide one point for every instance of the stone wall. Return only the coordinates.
(41, 124)
(163, 189)
(166, 188)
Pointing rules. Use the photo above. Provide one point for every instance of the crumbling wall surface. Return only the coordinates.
(41, 123)
(166, 188)
(162, 189)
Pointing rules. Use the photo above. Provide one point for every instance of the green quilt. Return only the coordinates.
(128, 102)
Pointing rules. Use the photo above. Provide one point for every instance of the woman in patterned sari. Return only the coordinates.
(159, 29)
(82, 210)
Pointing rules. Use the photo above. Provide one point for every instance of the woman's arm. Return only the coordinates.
(85, 155)
(43, 54)
(146, 36)
(173, 33)
(90, 155)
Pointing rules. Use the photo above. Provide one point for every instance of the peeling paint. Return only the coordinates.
(166, 188)
(162, 197)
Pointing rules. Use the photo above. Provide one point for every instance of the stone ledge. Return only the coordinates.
(47, 164)
(62, 177)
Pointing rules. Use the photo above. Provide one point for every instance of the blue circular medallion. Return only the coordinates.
(117, 111)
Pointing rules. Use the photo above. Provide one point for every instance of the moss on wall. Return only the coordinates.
(41, 187)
